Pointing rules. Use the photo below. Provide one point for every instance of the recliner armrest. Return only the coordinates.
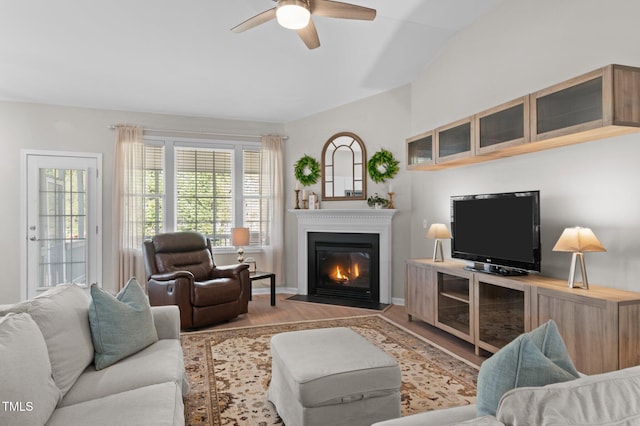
(168, 276)
(167, 321)
(228, 271)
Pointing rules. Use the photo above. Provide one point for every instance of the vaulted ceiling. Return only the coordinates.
(180, 57)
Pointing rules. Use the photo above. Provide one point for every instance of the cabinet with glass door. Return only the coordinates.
(454, 141)
(501, 311)
(502, 127)
(454, 312)
(420, 151)
(585, 106)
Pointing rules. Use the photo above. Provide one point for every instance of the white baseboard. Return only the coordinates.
(279, 290)
(294, 290)
(397, 301)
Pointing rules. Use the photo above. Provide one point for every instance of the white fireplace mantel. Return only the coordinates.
(365, 221)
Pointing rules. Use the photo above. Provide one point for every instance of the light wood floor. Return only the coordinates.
(262, 313)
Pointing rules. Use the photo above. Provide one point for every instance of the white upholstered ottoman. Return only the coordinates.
(332, 376)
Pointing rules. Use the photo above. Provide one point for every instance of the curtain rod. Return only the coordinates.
(196, 132)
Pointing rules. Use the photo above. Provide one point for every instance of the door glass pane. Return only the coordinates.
(63, 226)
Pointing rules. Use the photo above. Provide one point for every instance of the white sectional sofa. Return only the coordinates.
(610, 398)
(48, 375)
(532, 381)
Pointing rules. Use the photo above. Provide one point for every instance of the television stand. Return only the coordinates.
(600, 326)
(496, 270)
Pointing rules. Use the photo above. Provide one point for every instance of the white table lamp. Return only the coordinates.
(577, 241)
(438, 231)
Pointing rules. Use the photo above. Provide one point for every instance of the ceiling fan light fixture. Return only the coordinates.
(293, 14)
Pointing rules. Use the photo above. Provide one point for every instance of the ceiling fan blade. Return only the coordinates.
(260, 18)
(336, 9)
(309, 35)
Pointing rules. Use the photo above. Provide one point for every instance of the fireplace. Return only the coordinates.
(346, 221)
(344, 266)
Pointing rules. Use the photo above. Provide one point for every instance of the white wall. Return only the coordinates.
(43, 127)
(519, 47)
(381, 121)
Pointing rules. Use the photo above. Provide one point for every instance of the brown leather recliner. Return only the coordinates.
(181, 271)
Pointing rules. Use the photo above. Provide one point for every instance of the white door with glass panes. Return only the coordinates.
(63, 234)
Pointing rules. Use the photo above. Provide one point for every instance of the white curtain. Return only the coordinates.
(128, 204)
(273, 188)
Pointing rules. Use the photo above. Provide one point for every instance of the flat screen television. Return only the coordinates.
(499, 232)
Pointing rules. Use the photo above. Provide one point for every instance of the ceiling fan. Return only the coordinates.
(296, 15)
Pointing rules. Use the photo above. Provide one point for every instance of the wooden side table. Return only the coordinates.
(261, 275)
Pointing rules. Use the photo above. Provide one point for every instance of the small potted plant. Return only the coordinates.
(377, 201)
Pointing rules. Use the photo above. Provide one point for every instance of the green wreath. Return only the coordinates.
(382, 166)
(307, 170)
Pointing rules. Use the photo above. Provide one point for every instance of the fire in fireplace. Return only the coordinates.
(344, 266)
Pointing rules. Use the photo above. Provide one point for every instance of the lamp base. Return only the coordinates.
(240, 255)
(438, 255)
(578, 256)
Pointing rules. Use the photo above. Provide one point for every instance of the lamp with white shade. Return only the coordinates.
(438, 231)
(577, 241)
(239, 238)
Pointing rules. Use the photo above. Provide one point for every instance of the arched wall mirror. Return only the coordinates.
(343, 168)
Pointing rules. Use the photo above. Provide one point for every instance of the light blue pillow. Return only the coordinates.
(537, 358)
(121, 325)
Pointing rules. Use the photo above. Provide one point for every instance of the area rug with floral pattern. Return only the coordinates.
(229, 370)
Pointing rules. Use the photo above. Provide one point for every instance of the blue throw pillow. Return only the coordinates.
(120, 325)
(537, 358)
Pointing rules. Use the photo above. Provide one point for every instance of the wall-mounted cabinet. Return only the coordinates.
(453, 141)
(569, 107)
(503, 127)
(420, 151)
(597, 105)
(606, 97)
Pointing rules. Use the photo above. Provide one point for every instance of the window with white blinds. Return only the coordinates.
(214, 187)
(204, 192)
(254, 202)
(153, 190)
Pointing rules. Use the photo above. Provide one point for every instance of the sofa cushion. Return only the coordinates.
(216, 292)
(121, 325)
(609, 398)
(443, 416)
(161, 362)
(155, 405)
(536, 358)
(62, 314)
(27, 391)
